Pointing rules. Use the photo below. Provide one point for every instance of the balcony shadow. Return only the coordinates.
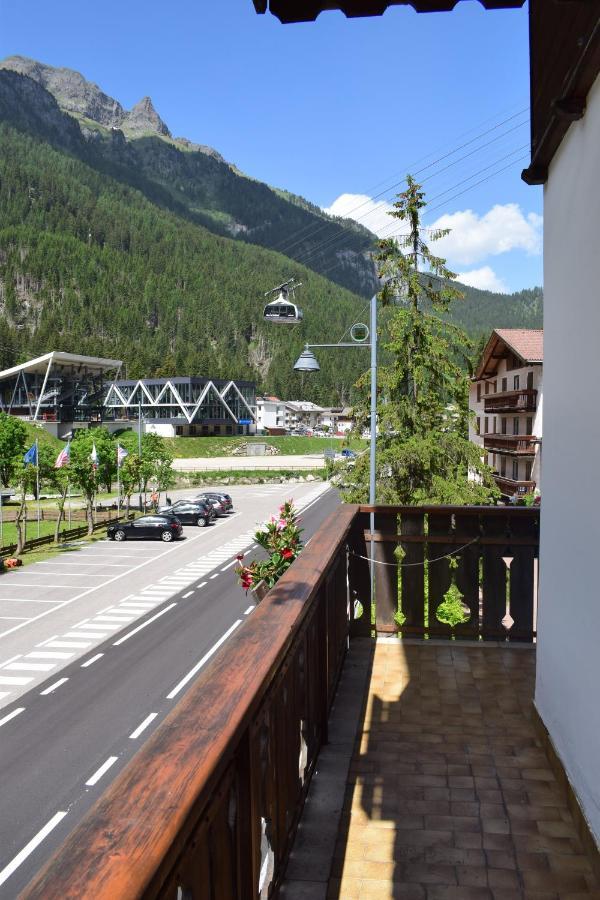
(449, 792)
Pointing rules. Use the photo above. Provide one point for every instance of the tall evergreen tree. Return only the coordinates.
(423, 450)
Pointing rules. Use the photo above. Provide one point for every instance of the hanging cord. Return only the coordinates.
(380, 562)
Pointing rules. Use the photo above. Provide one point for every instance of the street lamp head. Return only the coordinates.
(307, 362)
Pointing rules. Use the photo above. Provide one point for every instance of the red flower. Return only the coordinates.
(240, 556)
(287, 553)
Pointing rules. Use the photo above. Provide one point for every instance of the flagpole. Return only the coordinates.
(118, 485)
(1, 522)
(69, 496)
(37, 481)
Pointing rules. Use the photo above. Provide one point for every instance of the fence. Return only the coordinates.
(102, 518)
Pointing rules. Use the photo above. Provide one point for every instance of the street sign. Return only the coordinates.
(245, 421)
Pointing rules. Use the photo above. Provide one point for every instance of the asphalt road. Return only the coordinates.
(65, 746)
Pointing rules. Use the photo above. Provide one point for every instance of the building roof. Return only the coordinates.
(526, 343)
(308, 10)
(561, 73)
(69, 362)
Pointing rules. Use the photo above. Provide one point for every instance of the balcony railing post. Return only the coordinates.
(412, 573)
(359, 578)
(438, 525)
(467, 575)
(522, 578)
(386, 572)
(494, 577)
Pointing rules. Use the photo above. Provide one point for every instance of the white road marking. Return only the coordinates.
(82, 622)
(135, 734)
(62, 575)
(216, 575)
(92, 660)
(248, 611)
(100, 772)
(84, 634)
(35, 841)
(72, 562)
(13, 680)
(189, 594)
(12, 715)
(143, 625)
(178, 687)
(145, 561)
(10, 659)
(91, 627)
(69, 645)
(202, 584)
(123, 619)
(30, 667)
(40, 654)
(15, 618)
(24, 600)
(52, 688)
(229, 565)
(47, 641)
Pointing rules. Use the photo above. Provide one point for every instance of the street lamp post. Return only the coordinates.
(307, 362)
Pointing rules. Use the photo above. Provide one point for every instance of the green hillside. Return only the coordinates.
(89, 265)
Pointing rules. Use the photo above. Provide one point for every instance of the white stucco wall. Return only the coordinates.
(568, 665)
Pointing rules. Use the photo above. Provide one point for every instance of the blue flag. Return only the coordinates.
(30, 458)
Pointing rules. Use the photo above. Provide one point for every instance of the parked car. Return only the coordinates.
(223, 498)
(160, 527)
(190, 512)
(348, 454)
(217, 504)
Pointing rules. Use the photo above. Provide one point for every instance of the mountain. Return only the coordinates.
(157, 251)
(194, 180)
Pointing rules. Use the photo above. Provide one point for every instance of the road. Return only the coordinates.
(231, 463)
(56, 611)
(61, 748)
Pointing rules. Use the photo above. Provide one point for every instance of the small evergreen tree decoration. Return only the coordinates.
(423, 450)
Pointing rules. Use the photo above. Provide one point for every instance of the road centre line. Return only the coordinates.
(28, 849)
(12, 715)
(202, 584)
(178, 687)
(216, 575)
(100, 772)
(96, 587)
(143, 625)
(92, 660)
(135, 734)
(189, 594)
(229, 565)
(248, 611)
(53, 687)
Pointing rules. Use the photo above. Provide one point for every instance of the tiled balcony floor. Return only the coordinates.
(450, 795)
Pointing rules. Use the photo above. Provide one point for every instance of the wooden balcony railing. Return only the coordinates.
(209, 806)
(510, 487)
(511, 401)
(480, 539)
(515, 444)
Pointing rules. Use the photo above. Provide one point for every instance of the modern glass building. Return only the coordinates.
(184, 405)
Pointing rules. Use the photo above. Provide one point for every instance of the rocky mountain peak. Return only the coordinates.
(143, 118)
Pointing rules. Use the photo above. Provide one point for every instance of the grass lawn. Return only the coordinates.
(288, 445)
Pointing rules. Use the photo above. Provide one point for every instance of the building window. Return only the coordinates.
(503, 425)
(478, 426)
(503, 466)
(516, 383)
(529, 425)
(485, 425)
(505, 384)
(530, 381)
(487, 387)
(495, 386)
(494, 431)
(528, 467)
(478, 391)
(516, 425)
(515, 470)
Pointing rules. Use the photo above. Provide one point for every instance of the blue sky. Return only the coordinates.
(337, 110)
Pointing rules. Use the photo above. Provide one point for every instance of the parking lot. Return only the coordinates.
(56, 611)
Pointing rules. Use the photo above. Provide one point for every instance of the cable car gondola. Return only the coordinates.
(282, 310)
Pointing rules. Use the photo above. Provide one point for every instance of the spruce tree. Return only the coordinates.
(423, 450)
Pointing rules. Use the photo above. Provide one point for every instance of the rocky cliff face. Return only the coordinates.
(143, 119)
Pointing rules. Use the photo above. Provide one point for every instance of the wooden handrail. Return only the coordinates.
(132, 840)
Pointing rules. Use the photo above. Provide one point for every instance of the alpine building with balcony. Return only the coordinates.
(506, 401)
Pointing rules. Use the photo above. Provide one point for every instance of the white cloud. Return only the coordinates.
(484, 278)
(373, 214)
(473, 238)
